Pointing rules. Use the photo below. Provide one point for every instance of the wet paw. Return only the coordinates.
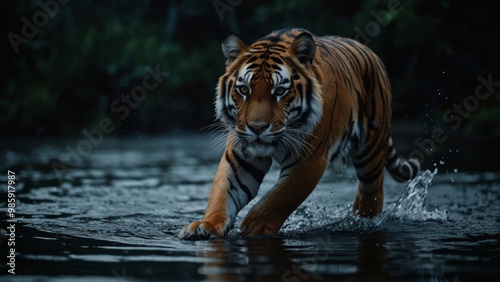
(368, 205)
(200, 230)
(260, 225)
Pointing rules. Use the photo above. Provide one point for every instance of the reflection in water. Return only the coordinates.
(123, 207)
(353, 247)
(372, 258)
(260, 259)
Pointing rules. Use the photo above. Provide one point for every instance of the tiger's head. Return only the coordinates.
(269, 96)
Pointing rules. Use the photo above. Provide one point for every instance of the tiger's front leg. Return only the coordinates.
(294, 185)
(236, 182)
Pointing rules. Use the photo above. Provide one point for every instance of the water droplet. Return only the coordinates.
(455, 170)
(441, 162)
(435, 164)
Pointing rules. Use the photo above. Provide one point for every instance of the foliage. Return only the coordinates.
(67, 76)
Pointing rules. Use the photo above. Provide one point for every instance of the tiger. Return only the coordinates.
(302, 101)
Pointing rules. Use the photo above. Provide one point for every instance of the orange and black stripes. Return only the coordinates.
(302, 101)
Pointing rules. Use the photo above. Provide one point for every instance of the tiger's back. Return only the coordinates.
(302, 101)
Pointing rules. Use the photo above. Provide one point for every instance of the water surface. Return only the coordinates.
(116, 216)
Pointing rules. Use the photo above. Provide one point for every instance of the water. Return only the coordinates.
(116, 216)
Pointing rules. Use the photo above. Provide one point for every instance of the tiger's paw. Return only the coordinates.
(201, 230)
(255, 224)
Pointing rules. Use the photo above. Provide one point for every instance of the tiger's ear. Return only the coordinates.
(232, 47)
(303, 47)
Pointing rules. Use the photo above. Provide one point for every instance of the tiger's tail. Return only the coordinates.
(400, 170)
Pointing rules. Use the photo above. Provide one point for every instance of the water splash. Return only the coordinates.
(411, 204)
(357, 224)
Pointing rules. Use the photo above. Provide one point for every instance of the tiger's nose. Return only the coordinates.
(258, 127)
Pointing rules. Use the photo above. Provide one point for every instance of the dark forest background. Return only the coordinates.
(83, 56)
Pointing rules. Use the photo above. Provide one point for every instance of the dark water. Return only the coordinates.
(116, 216)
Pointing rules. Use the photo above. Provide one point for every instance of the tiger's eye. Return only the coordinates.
(279, 91)
(243, 90)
